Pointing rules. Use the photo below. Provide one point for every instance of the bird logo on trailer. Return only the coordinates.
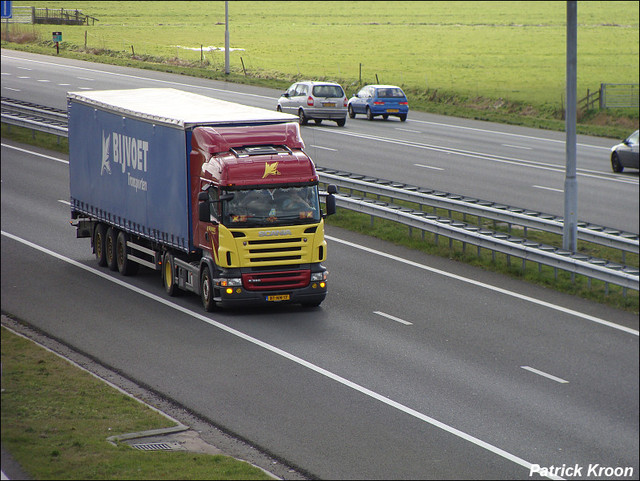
(106, 166)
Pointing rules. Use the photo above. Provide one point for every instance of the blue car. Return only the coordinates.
(373, 100)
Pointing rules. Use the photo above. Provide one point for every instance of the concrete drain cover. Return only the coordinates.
(153, 447)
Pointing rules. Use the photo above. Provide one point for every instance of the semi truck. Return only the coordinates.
(220, 198)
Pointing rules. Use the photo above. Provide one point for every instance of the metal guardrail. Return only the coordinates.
(32, 116)
(54, 121)
(625, 241)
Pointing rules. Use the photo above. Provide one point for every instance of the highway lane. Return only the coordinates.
(357, 388)
(516, 166)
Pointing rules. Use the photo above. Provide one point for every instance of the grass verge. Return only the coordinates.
(611, 123)
(56, 419)
(580, 286)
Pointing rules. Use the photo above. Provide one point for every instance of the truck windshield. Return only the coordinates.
(277, 206)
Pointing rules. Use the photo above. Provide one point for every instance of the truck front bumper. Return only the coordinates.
(314, 294)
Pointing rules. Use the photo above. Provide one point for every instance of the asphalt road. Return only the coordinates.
(413, 368)
(517, 166)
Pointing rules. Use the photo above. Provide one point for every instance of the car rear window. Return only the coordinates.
(327, 91)
(390, 93)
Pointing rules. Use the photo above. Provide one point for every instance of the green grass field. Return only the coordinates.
(498, 50)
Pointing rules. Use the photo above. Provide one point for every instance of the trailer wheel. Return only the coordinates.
(99, 244)
(110, 248)
(206, 290)
(125, 266)
(168, 274)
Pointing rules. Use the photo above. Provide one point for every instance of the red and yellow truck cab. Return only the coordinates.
(221, 198)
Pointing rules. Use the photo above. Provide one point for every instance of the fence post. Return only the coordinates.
(602, 94)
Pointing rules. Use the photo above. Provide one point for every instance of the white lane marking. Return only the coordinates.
(517, 147)
(428, 167)
(544, 374)
(64, 201)
(565, 310)
(44, 80)
(393, 318)
(323, 148)
(9, 88)
(479, 155)
(505, 133)
(85, 78)
(147, 79)
(64, 85)
(23, 77)
(539, 302)
(547, 188)
(24, 68)
(35, 153)
(409, 130)
(276, 350)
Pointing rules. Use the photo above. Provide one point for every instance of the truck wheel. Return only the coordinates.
(110, 248)
(206, 290)
(168, 274)
(99, 244)
(125, 266)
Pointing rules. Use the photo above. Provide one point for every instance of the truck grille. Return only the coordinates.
(288, 250)
(265, 281)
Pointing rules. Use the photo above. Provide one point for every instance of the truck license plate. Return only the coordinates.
(280, 297)
(392, 110)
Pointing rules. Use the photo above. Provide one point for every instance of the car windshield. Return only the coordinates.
(389, 93)
(633, 138)
(276, 206)
(327, 91)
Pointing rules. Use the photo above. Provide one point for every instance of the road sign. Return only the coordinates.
(57, 36)
(6, 9)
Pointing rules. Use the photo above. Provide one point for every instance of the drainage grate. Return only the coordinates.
(152, 446)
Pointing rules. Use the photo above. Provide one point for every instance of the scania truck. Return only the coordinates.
(220, 197)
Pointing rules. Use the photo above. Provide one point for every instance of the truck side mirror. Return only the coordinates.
(330, 203)
(204, 214)
(330, 200)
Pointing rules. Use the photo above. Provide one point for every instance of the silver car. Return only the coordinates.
(315, 101)
(625, 154)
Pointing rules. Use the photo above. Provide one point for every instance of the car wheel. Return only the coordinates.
(369, 114)
(279, 109)
(385, 116)
(302, 117)
(341, 122)
(615, 163)
(317, 121)
(403, 117)
(352, 114)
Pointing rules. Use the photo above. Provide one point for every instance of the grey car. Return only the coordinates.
(316, 101)
(625, 154)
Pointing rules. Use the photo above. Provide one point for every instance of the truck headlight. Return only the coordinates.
(234, 281)
(318, 276)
